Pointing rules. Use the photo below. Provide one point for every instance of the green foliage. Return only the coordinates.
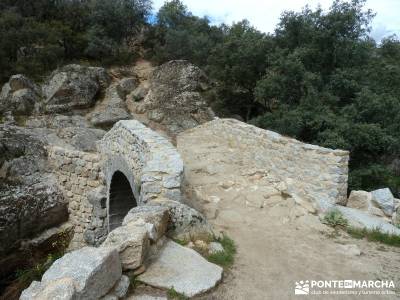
(37, 36)
(172, 294)
(375, 235)
(328, 83)
(335, 218)
(224, 258)
(181, 242)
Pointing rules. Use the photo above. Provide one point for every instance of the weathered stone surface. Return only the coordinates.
(111, 110)
(73, 87)
(94, 271)
(132, 242)
(121, 287)
(185, 222)
(384, 199)
(126, 86)
(361, 219)
(183, 269)
(60, 289)
(155, 215)
(396, 216)
(19, 96)
(222, 146)
(83, 139)
(139, 93)
(176, 96)
(361, 200)
(30, 200)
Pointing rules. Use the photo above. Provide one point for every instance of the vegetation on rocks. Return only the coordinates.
(335, 218)
(224, 258)
(174, 295)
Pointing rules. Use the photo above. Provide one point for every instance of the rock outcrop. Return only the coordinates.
(29, 196)
(19, 96)
(176, 97)
(73, 87)
(112, 108)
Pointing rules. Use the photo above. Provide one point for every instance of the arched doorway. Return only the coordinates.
(121, 200)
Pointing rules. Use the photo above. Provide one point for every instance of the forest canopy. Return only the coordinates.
(319, 77)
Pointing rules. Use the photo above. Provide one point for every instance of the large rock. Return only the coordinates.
(185, 222)
(30, 200)
(362, 200)
(384, 199)
(73, 87)
(111, 110)
(176, 97)
(60, 289)
(19, 96)
(157, 216)
(360, 219)
(94, 271)
(183, 269)
(132, 242)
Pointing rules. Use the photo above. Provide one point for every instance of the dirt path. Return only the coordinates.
(278, 241)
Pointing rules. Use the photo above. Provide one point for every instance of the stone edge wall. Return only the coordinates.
(309, 171)
(150, 162)
(78, 173)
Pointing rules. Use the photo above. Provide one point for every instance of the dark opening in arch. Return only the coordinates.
(121, 200)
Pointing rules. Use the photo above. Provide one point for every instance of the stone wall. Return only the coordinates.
(311, 172)
(78, 173)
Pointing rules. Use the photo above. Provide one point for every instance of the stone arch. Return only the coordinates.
(149, 162)
(121, 199)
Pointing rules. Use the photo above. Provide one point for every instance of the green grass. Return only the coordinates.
(335, 218)
(181, 242)
(374, 235)
(224, 258)
(174, 295)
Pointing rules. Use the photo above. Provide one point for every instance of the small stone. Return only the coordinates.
(201, 245)
(215, 247)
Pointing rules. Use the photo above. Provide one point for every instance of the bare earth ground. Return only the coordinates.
(278, 241)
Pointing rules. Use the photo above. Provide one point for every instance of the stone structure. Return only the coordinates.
(78, 173)
(309, 172)
(150, 164)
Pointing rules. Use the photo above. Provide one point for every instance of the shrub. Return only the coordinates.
(224, 258)
(335, 218)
